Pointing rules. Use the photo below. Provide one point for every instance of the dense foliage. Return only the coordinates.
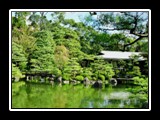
(68, 48)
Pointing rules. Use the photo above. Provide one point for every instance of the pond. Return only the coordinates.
(32, 95)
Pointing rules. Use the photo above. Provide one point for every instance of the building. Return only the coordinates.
(119, 55)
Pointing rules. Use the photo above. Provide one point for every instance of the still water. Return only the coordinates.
(69, 96)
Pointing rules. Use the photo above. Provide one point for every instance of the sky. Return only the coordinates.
(77, 16)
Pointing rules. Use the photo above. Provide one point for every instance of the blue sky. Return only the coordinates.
(77, 16)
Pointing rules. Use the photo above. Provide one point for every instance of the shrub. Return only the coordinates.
(107, 77)
(79, 78)
(66, 76)
(89, 77)
(87, 72)
(94, 78)
(102, 72)
(57, 72)
(96, 74)
(16, 73)
(84, 74)
(141, 81)
(135, 71)
(101, 77)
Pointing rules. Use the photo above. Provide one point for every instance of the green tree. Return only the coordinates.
(42, 57)
(100, 67)
(87, 72)
(72, 68)
(20, 19)
(61, 56)
(79, 78)
(133, 23)
(18, 56)
(16, 73)
(39, 21)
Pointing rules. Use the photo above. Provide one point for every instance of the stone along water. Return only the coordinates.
(68, 96)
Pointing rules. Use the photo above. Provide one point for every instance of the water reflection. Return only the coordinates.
(70, 96)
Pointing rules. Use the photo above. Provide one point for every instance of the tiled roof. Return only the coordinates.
(119, 55)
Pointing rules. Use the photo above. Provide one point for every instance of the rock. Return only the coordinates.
(66, 82)
(113, 81)
(51, 79)
(27, 78)
(13, 79)
(59, 79)
(73, 81)
(78, 82)
(52, 82)
(86, 81)
(16, 79)
(92, 82)
(42, 80)
(97, 84)
(145, 105)
(53, 76)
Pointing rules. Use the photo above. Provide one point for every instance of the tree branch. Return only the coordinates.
(140, 35)
(125, 13)
(141, 14)
(131, 43)
(112, 29)
(131, 32)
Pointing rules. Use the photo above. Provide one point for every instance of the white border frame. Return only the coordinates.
(78, 10)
